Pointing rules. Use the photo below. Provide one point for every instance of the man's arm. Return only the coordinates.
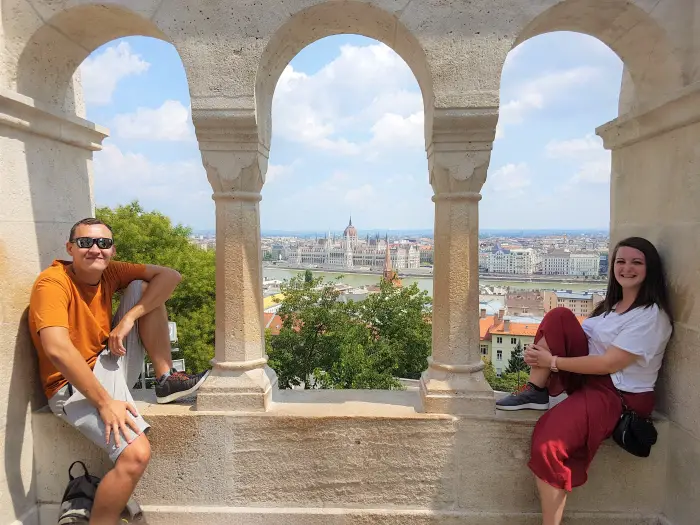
(162, 282)
(67, 359)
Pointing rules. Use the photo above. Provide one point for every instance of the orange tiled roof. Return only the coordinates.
(521, 329)
(485, 323)
(273, 322)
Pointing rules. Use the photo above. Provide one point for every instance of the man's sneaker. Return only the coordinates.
(529, 397)
(177, 385)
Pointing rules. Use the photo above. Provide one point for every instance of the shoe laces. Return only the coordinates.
(182, 376)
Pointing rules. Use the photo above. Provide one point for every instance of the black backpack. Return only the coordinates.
(78, 497)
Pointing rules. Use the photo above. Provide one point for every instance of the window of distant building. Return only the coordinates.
(513, 340)
(499, 355)
(499, 340)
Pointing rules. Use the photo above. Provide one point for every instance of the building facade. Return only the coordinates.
(350, 252)
(516, 261)
(561, 262)
(581, 303)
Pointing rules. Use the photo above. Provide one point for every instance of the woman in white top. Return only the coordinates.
(616, 354)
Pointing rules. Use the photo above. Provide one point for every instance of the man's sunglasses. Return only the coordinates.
(103, 243)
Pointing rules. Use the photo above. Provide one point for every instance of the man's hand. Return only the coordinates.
(115, 415)
(116, 336)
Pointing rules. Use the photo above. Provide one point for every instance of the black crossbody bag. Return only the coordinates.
(633, 432)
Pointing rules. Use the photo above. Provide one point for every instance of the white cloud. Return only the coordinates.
(171, 121)
(277, 172)
(510, 179)
(364, 88)
(362, 197)
(181, 188)
(395, 131)
(592, 161)
(535, 94)
(101, 73)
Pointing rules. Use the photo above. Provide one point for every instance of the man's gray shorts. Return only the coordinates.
(116, 374)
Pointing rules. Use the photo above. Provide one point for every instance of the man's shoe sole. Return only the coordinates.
(184, 393)
(524, 406)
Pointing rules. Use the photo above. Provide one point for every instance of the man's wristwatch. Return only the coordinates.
(554, 368)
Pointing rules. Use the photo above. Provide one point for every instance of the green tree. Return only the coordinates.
(151, 238)
(312, 321)
(308, 276)
(324, 343)
(401, 318)
(516, 363)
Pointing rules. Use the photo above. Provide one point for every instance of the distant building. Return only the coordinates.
(579, 264)
(350, 252)
(514, 261)
(525, 303)
(581, 303)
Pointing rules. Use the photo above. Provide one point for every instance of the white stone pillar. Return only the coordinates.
(236, 163)
(458, 159)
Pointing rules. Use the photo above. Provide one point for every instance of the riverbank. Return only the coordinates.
(426, 282)
(428, 273)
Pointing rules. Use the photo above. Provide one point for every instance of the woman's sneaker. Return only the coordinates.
(528, 398)
(177, 385)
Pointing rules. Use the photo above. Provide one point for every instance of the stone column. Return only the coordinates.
(236, 163)
(458, 158)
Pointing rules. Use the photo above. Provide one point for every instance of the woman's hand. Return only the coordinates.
(537, 356)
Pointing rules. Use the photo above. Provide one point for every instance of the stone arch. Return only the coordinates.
(652, 68)
(333, 18)
(56, 49)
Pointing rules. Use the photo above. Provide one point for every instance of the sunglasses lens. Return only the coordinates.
(104, 243)
(84, 242)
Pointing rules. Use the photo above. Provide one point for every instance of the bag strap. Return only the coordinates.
(622, 398)
(70, 474)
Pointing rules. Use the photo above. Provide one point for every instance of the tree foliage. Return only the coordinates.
(325, 343)
(507, 382)
(516, 363)
(151, 238)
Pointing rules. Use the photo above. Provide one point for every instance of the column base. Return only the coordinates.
(231, 388)
(460, 393)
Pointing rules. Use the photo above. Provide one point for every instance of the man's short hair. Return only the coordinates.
(90, 221)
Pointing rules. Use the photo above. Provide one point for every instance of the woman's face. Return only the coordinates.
(630, 267)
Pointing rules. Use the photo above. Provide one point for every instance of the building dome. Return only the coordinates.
(350, 231)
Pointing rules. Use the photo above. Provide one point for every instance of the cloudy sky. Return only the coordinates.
(348, 137)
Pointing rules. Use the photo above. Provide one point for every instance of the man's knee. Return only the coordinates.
(135, 457)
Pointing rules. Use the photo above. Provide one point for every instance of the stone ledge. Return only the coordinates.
(192, 515)
(26, 114)
(682, 109)
(307, 455)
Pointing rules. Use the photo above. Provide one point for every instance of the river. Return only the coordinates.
(426, 283)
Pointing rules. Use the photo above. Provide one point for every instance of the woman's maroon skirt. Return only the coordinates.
(567, 436)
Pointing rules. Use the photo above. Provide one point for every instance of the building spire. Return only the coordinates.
(350, 223)
(389, 274)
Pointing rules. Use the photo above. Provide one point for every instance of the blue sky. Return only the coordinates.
(348, 137)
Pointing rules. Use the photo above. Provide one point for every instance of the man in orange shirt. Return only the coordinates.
(87, 360)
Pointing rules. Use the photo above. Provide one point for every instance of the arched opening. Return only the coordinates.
(346, 188)
(325, 20)
(545, 213)
(52, 54)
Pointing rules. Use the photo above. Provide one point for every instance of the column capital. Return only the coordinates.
(233, 156)
(460, 149)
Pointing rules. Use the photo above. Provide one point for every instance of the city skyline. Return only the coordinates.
(348, 137)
